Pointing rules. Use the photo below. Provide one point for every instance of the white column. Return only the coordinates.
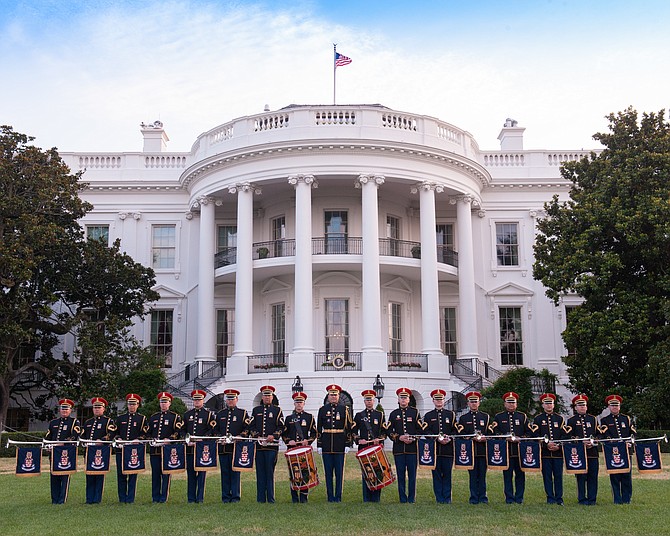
(430, 303)
(373, 358)
(467, 317)
(206, 343)
(244, 281)
(302, 358)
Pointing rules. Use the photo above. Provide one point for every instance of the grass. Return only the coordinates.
(25, 508)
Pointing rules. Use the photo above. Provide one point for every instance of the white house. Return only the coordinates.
(335, 243)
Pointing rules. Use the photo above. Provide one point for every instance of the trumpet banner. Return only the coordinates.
(63, 460)
(28, 461)
(173, 458)
(574, 456)
(648, 457)
(464, 453)
(133, 458)
(530, 458)
(617, 457)
(244, 455)
(497, 454)
(205, 455)
(426, 453)
(98, 459)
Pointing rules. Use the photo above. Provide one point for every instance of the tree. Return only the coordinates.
(610, 245)
(54, 282)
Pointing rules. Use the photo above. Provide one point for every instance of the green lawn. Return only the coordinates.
(25, 508)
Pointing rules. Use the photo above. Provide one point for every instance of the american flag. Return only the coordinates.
(341, 60)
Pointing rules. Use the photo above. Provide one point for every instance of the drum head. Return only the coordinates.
(368, 450)
(297, 451)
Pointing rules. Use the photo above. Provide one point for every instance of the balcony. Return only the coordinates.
(337, 245)
(407, 362)
(275, 248)
(337, 361)
(258, 364)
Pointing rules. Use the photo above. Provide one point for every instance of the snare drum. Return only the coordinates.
(376, 468)
(301, 468)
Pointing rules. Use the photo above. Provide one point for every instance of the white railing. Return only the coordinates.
(401, 121)
(166, 161)
(100, 162)
(556, 159)
(271, 122)
(336, 117)
(504, 159)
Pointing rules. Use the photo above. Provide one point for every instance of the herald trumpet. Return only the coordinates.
(120, 442)
(161, 442)
(664, 438)
(511, 437)
(12, 443)
(86, 442)
(192, 438)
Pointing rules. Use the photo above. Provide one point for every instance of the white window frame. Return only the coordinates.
(176, 269)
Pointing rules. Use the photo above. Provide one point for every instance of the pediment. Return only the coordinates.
(167, 292)
(510, 289)
(397, 283)
(274, 285)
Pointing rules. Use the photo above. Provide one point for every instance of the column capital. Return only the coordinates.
(203, 201)
(426, 186)
(309, 180)
(244, 187)
(365, 178)
(468, 199)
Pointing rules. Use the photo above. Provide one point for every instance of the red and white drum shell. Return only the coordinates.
(377, 470)
(301, 468)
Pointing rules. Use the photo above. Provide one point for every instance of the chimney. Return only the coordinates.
(511, 136)
(155, 138)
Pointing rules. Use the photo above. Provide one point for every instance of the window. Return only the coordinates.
(226, 237)
(161, 336)
(448, 333)
(225, 335)
(164, 246)
(18, 419)
(336, 231)
(337, 326)
(572, 352)
(511, 338)
(395, 328)
(279, 235)
(507, 244)
(444, 235)
(98, 232)
(393, 234)
(279, 331)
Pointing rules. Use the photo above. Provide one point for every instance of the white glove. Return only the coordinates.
(319, 450)
(346, 450)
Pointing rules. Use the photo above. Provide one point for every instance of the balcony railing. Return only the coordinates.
(274, 248)
(337, 361)
(339, 245)
(225, 257)
(447, 255)
(267, 363)
(407, 362)
(392, 247)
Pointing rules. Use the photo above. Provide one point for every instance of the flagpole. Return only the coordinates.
(334, 69)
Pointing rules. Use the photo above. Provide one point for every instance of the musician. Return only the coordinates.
(516, 423)
(267, 423)
(97, 427)
(333, 428)
(197, 422)
(550, 425)
(299, 431)
(129, 426)
(163, 425)
(403, 427)
(230, 421)
(585, 426)
(440, 421)
(616, 425)
(476, 422)
(369, 430)
(63, 428)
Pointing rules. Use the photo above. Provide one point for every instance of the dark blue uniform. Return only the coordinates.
(197, 422)
(512, 422)
(62, 429)
(369, 425)
(584, 427)
(442, 421)
(550, 425)
(333, 428)
(405, 421)
(102, 428)
(616, 427)
(299, 427)
(162, 425)
(471, 423)
(129, 426)
(265, 421)
(231, 422)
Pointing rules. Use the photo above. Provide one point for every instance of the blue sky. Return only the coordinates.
(82, 75)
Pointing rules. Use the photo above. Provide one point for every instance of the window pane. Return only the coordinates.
(225, 334)
(164, 246)
(448, 332)
(279, 330)
(511, 339)
(395, 328)
(161, 336)
(336, 231)
(507, 244)
(337, 326)
(226, 237)
(98, 232)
